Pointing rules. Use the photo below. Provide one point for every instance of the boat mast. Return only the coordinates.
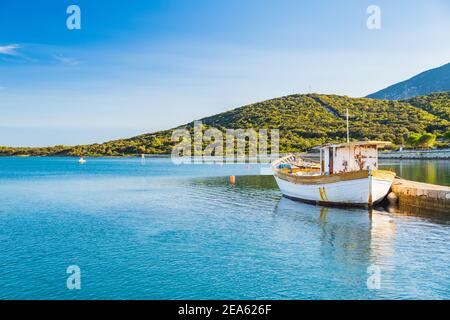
(348, 135)
(348, 138)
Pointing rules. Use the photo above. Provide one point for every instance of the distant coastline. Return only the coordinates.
(410, 154)
(416, 154)
(303, 120)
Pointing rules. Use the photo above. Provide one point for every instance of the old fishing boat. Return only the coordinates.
(347, 174)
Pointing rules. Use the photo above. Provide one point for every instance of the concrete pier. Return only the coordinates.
(416, 154)
(422, 195)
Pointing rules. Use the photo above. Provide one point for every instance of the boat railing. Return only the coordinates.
(296, 163)
(286, 159)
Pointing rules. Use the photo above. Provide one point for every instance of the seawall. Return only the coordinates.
(416, 154)
(422, 195)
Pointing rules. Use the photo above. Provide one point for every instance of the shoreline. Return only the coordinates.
(439, 154)
(416, 154)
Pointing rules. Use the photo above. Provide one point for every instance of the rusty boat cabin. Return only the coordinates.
(348, 157)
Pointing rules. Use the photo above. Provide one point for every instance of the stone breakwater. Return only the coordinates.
(416, 154)
(421, 195)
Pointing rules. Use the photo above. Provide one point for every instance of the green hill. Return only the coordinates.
(304, 121)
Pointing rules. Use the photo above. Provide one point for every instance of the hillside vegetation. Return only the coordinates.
(304, 121)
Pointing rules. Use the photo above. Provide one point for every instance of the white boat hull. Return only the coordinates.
(363, 191)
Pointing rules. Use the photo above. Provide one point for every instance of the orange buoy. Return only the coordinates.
(232, 179)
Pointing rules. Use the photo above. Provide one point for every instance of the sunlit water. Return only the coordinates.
(153, 230)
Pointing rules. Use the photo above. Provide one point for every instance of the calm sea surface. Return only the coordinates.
(153, 230)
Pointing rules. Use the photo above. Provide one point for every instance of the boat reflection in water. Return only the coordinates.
(352, 240)
(366, 235)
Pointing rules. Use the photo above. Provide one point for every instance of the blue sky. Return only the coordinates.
(140, 66)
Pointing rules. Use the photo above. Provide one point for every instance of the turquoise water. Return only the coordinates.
(429, 171)
(153, 230)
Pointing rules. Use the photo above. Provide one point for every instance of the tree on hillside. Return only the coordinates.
(426, 140)
(413, 139)
(447, 135)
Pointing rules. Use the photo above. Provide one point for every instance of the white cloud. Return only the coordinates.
(66, 60)
(10, 49)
